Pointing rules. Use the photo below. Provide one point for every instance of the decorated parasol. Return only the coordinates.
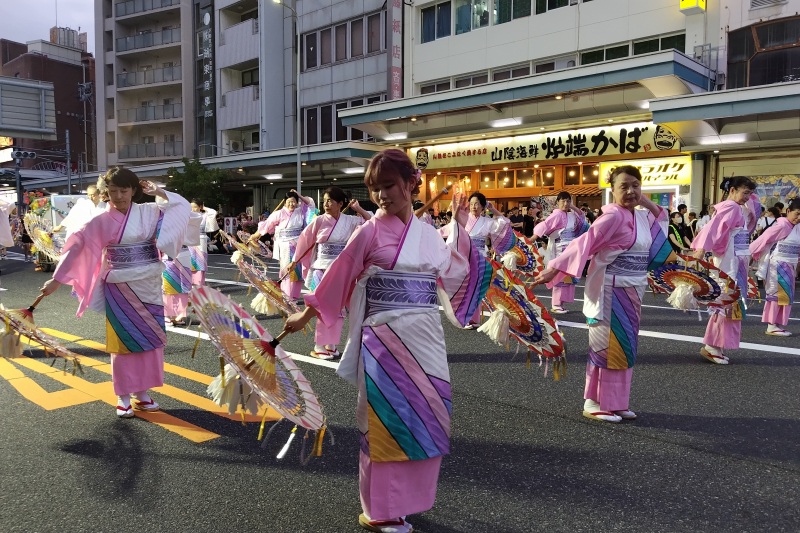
(262, 366)
(242, 249)
(40, 231)
(692, 282)
(551, 347)
(752, 289)
(270, 299)
(19, 323)
(524, 259)
(257, 247)
(511, 311)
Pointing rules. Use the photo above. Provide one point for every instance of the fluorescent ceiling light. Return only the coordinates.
(400, 136)
(353, 170)
(273, 176)
(504, 122)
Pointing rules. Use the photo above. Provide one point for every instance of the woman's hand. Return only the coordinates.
(298, 321)
(699, 254)
(50, 287)
(354, 205)
(545, 276)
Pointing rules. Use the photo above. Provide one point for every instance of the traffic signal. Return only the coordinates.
(84, 91)
(22, 154)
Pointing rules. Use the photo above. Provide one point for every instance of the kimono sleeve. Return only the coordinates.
(773, 234)
(552, 223)
(464, 275)
(715, 234)
(660, 249)
(502, 235)
(572, 260)
(306, 241)
(172, 231)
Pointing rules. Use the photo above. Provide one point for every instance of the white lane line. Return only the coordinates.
(295, 356)
(695, 340)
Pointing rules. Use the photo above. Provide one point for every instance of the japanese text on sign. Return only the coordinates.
(667, 171)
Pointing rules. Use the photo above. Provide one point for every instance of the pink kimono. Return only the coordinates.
(778, 249)
(727, 237)
(561, 228)
(319, 244)
(623, 246)
(113, 266)
(389, 274)
(287, 226)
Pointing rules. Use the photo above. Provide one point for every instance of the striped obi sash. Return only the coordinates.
(629, 264)
(132, 255)
(288, 234)
(392, 290)
(787, 251)
(479, 243)
(134, 309)
(328, 251)
(741, 242)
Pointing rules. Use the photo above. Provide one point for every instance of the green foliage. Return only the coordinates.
(198, 181)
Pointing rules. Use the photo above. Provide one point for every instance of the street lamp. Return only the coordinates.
(297, 90)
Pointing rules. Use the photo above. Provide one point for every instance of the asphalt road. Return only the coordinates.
(714, 449)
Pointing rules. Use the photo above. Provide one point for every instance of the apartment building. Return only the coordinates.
(521, 98)
(146, 91)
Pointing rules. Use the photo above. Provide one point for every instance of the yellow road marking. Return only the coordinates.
(33, 392)
(176, 393)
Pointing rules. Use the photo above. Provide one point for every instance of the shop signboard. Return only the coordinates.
(567, 146)
(662, 172)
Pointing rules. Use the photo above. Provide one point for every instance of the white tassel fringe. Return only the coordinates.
(282, 453)
(496, 327)
(683, 297)
(230, 396)
(236, 256)
(509, 261)
(263, 306)
(10, 344)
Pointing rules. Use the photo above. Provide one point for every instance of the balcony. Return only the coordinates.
(142, 151)
(238, 43)
(148, 77)
(239, 108)
(150, 113)
(132, 7)
(148, 40)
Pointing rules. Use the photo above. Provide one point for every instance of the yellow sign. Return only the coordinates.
(664, 172)
(570, 145)
(5, 142)
(693, 7)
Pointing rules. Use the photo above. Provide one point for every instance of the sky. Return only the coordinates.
(30, 20)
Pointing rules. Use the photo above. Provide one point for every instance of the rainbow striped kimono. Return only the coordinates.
(400, 363)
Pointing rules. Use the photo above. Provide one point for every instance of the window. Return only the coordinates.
(678, 42)
(617, 52)
(325, 47)
(505, 179)
(435, 87)
(169, 138)
(341, 42)
(356, 135)
(572, 175)
(443, 20)
(326, 124)
(645, 47)
(463, 16)
(341, 130)
(487, 180)
(311, 50)
(311, 126)
(249, 77)
(463, 82)
(595, 56)
(500, 75)
(357, 38)
(480, 13)
(374, 33)
(428, 24)
(521, 71)
(543, 6)
(545, 67)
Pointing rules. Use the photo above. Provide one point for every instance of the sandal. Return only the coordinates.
(779, 333)
(146, 406)
(398, 525)
(325, 355)
(125, 412)
(603, 416)
(558, 310)
(718, 359)
(627, 414)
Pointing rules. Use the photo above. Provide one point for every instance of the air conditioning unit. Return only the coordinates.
(235, 146)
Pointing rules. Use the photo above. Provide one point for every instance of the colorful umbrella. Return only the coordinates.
(270, 298)
(40, 231)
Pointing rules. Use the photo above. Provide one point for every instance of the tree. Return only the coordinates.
(198, 181)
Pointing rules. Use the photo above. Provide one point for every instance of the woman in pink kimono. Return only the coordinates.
(114, 267)
(727, 237)
(564, 224)
(287, 224)
(389, 274)
(778, 249)
(483, 230)
(319, 244)
(624, 243)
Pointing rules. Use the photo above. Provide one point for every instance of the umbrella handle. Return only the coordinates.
(35, 303)
(277, 340)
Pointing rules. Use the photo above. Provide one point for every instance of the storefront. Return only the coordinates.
(662, 179)
(776, 173)
(511, 171)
